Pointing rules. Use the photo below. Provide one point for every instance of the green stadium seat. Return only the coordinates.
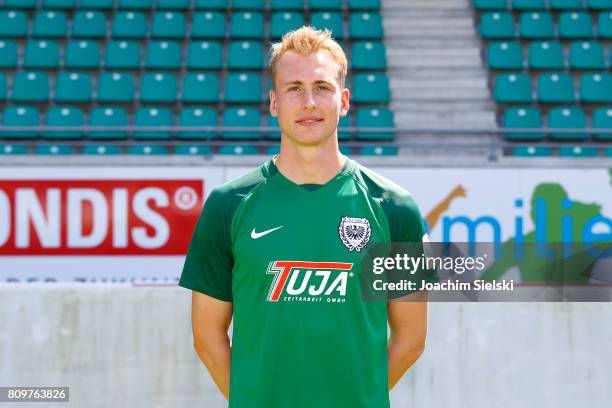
(129, 24)
(8, 54)
(238, 150)
(345, 150)
(528, 5)
(82, 54)
(22, 4)
(205, 54)
(211, 4)
(497, 25)
(123, 54)
(13, 149)
(364, 5)
(41, 54)
(172, 4)
(335, 5)
(242, 87)
(197, 116)
(344, 122)
(596, 87)
(153, 116)
(566, 4)
(164, 55)
(371, 88)
(73, 87)
(285, 5)
(13, 23)
(577, 151)
(599, 4)
(490, 4)
(555, 87)
(567, 118)
(247, 24)
(96, 4)
(115, 87)
(45, 149)
(283, 22)
(106, 116)
(368, 55)
(193, 150)
(50, 24)
(608, 152)
(505, 55)
(575, 24)
(523, 117)
(536, 25)
(168, 24)
(200, 87)
(273, 150)
(2, 86)
(587, 55)
(365, 26)
(20, 116)
(245, 55)
(602, 119)
(513, 88)
(604, 24)
(158, 87)
(378, 151)
(546, 55)
(147, 150)
(209, 24)
(64, 116)
(241, 116)
(532, 151)
(259, 5)
(89, 24)
(30, 86)
(329, 20)
(101, 150)
(375, 117)
(135, 4)
(273, 122)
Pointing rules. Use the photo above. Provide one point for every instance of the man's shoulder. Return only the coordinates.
(379, 186)
(238, 187)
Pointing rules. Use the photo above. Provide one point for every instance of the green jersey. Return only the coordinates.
(288, 257)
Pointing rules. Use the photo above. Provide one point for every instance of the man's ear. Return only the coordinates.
(344, 100)
(273, 110)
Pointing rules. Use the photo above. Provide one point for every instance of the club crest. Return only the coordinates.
(354, 232)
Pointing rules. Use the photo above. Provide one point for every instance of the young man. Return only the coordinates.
(279, 250)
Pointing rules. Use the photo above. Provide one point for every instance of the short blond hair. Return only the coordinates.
(305, 41)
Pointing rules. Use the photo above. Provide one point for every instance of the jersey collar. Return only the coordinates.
(271, 172)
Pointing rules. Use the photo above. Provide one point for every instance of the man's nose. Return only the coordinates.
(308, 102)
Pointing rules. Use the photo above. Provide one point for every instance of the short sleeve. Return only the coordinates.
(209, 262)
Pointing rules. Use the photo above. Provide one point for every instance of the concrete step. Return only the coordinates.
(445, 120)
(427, 4)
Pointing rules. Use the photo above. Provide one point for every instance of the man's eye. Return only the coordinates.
(294, 89)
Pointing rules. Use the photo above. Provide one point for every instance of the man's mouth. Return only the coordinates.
(309, 121)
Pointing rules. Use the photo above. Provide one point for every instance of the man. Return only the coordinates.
(279, 250)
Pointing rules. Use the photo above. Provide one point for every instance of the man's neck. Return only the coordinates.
(310, 165)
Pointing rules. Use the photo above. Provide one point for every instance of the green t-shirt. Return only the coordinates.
(288, 257)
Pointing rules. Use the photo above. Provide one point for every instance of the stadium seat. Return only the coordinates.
(604, 24)
(96, 4)
(100, 150)
(13, 23)
(242, 87)
(335, 5)
(211, 4)
(249, 5)
(546, 55)
(29, 86)
(197, 116)
(105, 116)
(73, 87)
(490, 4)
(586, 55)
(602, 119)
(505, 55)
(200, 87)
(536, 25)
(152, 116)
(50, 24)
(528, 5)
(497, 25)
(45, 149)
(123, 54)
(8, 54)
(378, 151)
(135, 4)
(364, 5)
(283, 22)
(575, 24)
(205, 54)
(64, 116)
(209, 24)
(89, 24)
(13, 149)
(567, 118)
(41, 54)
(596, 87)
(329, 20)
(555, 87)
(344, 122)
(273, 122)
(286, 5)
(599, 4)
(245, 55)
(241, 116)
(273, 150)
(513, 88)
(577, 151)
(22, 4)
(365, 26)
(566, 4)
(158, 87)
(164, 55)
(168, 24)
(237, 150)
(3, 90)
(523, 117)
(82, 54)
(368, 55)
(247, 24)
(172, 4)
(129, 24)
(115, 87)
(147, 150)
(375, 117)
(20, 116)
(193, 150)
(531, 151)
(371, 88)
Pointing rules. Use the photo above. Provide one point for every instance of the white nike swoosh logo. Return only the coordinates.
(256, 235)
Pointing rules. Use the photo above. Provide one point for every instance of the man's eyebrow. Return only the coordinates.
(298, 82)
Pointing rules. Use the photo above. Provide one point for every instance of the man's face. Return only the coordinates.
(308, 99)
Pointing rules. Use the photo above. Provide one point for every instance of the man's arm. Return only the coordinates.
(408, 323)
(210, 320)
